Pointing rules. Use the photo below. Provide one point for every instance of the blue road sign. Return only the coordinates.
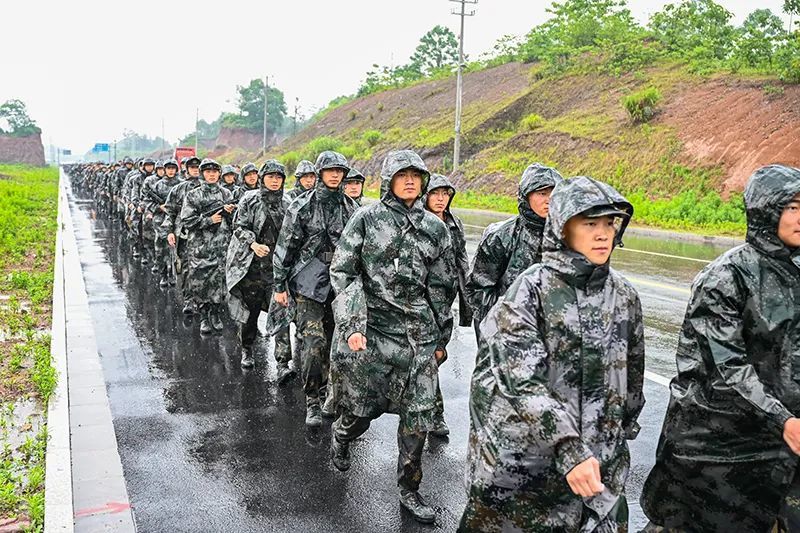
(100, 147)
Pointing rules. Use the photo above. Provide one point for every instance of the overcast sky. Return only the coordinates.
(88, 69)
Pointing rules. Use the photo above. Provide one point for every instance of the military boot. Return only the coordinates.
(164, 283)
(285, 373)
(205, 322)
(216, 319)
(412, 502)
(154, 268)
(340, 454)
(313, 414)
(188, 308)
(328, 410)
(440, 428)
(247, 357)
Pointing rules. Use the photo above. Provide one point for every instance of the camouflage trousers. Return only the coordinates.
(315, 325)
(162, 253)
(182, 255)
(789, 518)
(256, 294)
(494, 510)
(348, 428)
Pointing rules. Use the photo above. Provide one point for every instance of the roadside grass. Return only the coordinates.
(29, 203)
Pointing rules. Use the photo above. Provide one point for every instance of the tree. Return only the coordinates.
(437, 50)
(792, 7)
(758, 39)
(696, 29)
(251, 107)
(19, 122)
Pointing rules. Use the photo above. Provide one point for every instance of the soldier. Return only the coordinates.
(184, 169)
(303, 254)
(508, 248)
(557, 386)
(133, 190)
(249, 182)
(229, 179)
(176, 233)
(206, 215)
(157, 205)
(437, 200)
(115, 186)
(728, 450)
(305, 177)
(391, 278)
(149, 208)
(248, 266)
(354, 185)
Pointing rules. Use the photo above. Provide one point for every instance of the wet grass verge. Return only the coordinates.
(29, 203)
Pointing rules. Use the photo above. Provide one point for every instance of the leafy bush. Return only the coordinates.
(532, 122)
(321, 144)
(641, 105)
(372, 137)
(290, 159)
(690, 210)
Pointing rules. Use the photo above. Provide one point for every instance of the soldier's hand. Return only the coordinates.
(441, 357)
(130, 206)
(171, 239)
(216, 218)
(260, 250)
(282, 298)
(139, 209)
(163, 207)
(149, 216)
(230, 207)
(791, 434)
(584, 479)
(357, 342)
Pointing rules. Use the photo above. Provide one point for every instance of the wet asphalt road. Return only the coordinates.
(206, 446)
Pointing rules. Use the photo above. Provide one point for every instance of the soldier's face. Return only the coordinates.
(540, 201)
(193, 170)
(332, 177)
(353, 188)
(592, 237)
(437, 200)
(308, 180)
(149, 168)
(211, 175)
(251, 178)
(160, 172)
(407, 184)
(230, 178)
(171, 171)
(272, 182)
(789, 225)
(129, 165)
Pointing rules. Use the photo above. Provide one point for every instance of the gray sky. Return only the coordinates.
(73, 62)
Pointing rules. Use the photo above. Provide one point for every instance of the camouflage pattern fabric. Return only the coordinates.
(558, 380)
(207, 244)
(508, 248)
(390, 271)
(721, 459)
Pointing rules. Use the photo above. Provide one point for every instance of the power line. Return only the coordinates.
(459, 79)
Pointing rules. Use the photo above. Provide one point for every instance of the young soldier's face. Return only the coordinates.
(251, 178)
(272, 182)
(230, 178)
(539, 201)
(437, 200)
(407, 184)
(332, 177)
(160, 172)
(193, 170)
(171, 171)
(129, 165)
(353, 188)
(148, 168)
(211, 175)
(592, 237)
(308, 180)
(789, 225)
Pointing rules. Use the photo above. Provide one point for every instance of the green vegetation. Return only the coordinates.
(532, 122)
(641, 105)
(15, 114)
(29, 199)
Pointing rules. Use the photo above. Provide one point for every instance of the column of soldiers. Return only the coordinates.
(558, 382)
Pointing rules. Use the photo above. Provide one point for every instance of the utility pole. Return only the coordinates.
(162, 137)
(296, 107)
(115, 150)
(264, 138)
(196, 137)
(459, 79)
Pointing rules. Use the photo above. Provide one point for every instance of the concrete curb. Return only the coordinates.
(98, 493)
(58, 509)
